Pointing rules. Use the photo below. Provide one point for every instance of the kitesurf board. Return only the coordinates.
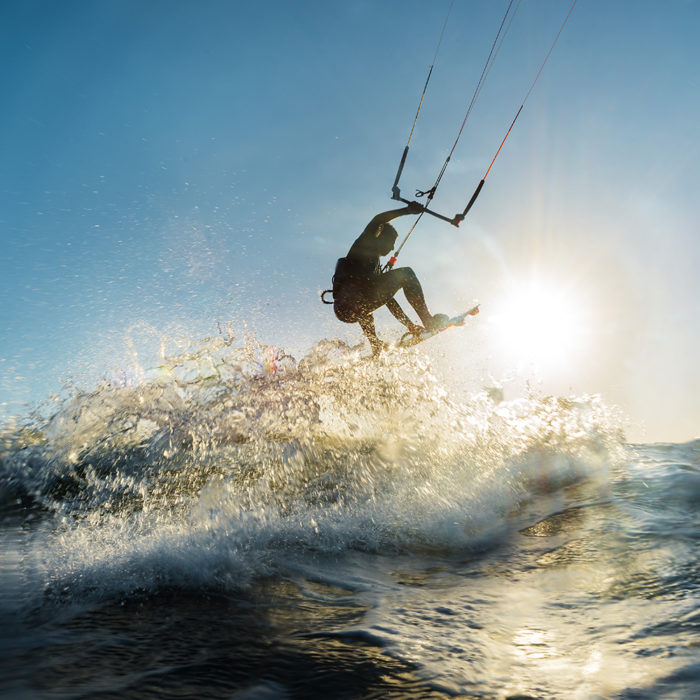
(410, 339)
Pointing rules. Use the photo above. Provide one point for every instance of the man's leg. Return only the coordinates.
(404, 278)
(367, 325)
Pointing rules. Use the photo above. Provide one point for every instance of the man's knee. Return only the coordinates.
(407, 275)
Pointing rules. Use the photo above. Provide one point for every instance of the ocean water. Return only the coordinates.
(232, 523)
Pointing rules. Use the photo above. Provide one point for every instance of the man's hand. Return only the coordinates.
(415, 207)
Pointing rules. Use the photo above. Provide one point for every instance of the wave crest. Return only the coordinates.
(216, 459)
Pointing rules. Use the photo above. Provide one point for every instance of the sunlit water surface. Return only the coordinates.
(232, 523)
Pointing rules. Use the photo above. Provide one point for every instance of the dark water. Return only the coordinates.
(234, 524)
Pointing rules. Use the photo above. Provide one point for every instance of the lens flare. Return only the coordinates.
(540, 325)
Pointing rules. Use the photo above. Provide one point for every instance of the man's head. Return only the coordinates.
(386, 238)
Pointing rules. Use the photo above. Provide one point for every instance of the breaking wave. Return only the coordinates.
(229, 461)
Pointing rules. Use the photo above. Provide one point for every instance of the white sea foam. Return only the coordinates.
(225, 462)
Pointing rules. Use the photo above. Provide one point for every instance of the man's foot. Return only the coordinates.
(415, 329)
(378, 346)
(437, 322)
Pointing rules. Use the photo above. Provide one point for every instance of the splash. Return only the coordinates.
(221, 463)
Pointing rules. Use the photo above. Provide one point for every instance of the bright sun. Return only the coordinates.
(540, 325)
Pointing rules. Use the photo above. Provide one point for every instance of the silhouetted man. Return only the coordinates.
(360, 287)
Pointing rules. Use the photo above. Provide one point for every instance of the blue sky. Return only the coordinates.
(175, 165)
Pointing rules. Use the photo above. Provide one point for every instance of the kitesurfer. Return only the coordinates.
(360, 287)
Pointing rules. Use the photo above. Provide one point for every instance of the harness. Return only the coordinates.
(342, 273)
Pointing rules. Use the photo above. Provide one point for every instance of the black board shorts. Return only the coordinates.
(356, 298)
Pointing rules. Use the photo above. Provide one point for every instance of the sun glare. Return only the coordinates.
(539, 325)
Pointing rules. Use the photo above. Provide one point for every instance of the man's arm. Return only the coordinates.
(386, 216)
(398, 313)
